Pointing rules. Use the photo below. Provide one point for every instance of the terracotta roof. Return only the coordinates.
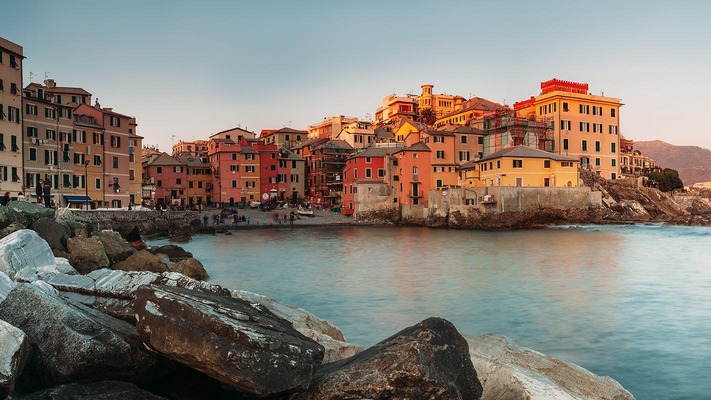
(192, 161)
(433, 132)
(335, 143)
(419, 146)
(164, 159)
(403, 120)
(476, 103)
(376, 152)
(291, 130)
(248, 150)
(525, 152)
(310, 142)
(461, 129)
(233, 129)
(59, 89)
(467, 165)
(289, 155)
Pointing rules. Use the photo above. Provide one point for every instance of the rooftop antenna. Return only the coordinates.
(31, 76)
(172, 138)
(46, 75)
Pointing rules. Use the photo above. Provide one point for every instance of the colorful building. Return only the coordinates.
(525, 166)
(414, 174)
(358, 134)
(330, 127)
(442, 157)
(11, 131)
(170, 176)
(585, 126)
(199, 177)
(472, 109)
(372, 166)
(395, 107)
(440, 104)
(197, 148)
(324, 184)
(284, 137)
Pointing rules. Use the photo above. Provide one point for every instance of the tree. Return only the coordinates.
(427, 116)
(667, 180)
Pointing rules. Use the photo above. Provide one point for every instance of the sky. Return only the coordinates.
(189, 69)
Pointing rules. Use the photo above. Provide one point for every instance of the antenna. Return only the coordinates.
(172, 137)
(46, 75)
(31, 76)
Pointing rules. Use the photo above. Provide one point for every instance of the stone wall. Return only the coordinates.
(373, 197)
(149, 222)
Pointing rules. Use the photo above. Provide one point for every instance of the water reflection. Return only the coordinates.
(622, 301)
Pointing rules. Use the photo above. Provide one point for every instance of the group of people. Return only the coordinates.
(43, 192)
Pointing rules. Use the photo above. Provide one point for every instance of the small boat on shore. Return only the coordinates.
(305, 212)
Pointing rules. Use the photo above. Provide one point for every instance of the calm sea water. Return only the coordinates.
(631, 302)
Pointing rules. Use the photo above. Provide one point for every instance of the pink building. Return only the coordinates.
(170, 177)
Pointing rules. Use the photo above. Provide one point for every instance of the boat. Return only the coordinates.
(305, 212)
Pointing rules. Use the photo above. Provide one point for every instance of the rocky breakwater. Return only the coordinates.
(115, 333)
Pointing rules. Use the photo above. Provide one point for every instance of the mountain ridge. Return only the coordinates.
(692, 162)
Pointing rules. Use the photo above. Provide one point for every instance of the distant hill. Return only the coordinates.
(692, 162)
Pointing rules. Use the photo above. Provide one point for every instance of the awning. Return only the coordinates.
(71, 198)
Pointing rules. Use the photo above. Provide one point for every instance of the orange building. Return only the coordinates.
(396, 107)
(440, 104)
(414, 174)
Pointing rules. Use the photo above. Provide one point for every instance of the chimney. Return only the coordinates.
(50, 83)
(96, 103)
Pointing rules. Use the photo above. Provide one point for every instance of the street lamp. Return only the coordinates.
(86, 183)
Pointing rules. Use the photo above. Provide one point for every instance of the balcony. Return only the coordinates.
(416, 195)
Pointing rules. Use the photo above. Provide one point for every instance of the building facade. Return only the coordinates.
(11, 129)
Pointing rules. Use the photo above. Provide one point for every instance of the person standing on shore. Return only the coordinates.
(38, 191)
(47, 193)
(5, 199)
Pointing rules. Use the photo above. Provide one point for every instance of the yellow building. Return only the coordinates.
(394, 107)
(403, 127)
(585, 126)
(440, 104)
(525, 166)
(474, 108)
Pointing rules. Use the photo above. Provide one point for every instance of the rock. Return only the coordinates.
(14, 349)
(116, 247)
(13, 227)
(429, 360)
(30, 211)
(113, 292)
(192, 268)
(71, 342)
(240, 344)
(298, 317)
(77, 228)
(509, 371)
(180, 238)
(103, 390)
(142, 261)
(87, 254)
(6, 286)
(61, 267)
(175, 253)
(334, 350)
(24, 249)
(53, 232)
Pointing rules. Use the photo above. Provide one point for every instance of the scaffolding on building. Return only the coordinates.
(504, 129)
(327, 163)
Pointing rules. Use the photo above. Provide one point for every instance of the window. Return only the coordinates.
(178, 169)
(414, 170)
(64, 112)
(597, 162)
(98, 138)
(518, 163)
(115, 121)
(159, 183)
(13, 143)
(546, 163)
(613, 147)
(597, 146)
(439, 183)
(585, 145)
(381, 172)
(613, 176)
(368, 160)
(50, 113)
(566, 164)
(249, 168)
(97, 183)
(614, 162)
(31, 109)
(249, 156)
(565, 144)
(565, 106)
(13, 88)
(159, 170)
(440, 154)
(584, 109)
(250, 184)
(2, 142)
(31, 132)
(584, 127)
(51, 134)
(368, 173)
(13, 114)
(613, 129)
(80, 136)
(463, 139)
(178, 181)
(234, 184)
(612, 112)
(115, 162)
(438, 139)
(234, 156)
(414, 155)
(498, 164)
(115, 141)
(234, 167)
(97, 160)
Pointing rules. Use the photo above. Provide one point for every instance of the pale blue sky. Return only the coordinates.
(193, 68)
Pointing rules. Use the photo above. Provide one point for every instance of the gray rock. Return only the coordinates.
(12, 227)
(6, 286)
(240, 344)
(29, 212)
(175, 253)
(334, 350)
(53, 232)
(71, 342)
(87, 254)
(142, 261)
(192, 268)
(509, 371)
(24, 249)
(104, 390)
(14, 349)
(115, 246)
(429, 360)
(299, 317)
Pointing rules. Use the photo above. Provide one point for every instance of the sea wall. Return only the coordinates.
(149, 222)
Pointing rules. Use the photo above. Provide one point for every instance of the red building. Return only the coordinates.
(170, 177)
(371, 165)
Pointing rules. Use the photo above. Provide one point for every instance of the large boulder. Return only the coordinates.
(299, 317)
(14, 349)
(235, 342)
(116, 247)
(509, 371)
(192, 268)
(175, 253)
(13, 227)
(73, 343)
(87, 254)
(53, 232)
(113, 292)
(104, 390)
(29, 212)
(142, 261)
(429, 360)
(24, 249)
